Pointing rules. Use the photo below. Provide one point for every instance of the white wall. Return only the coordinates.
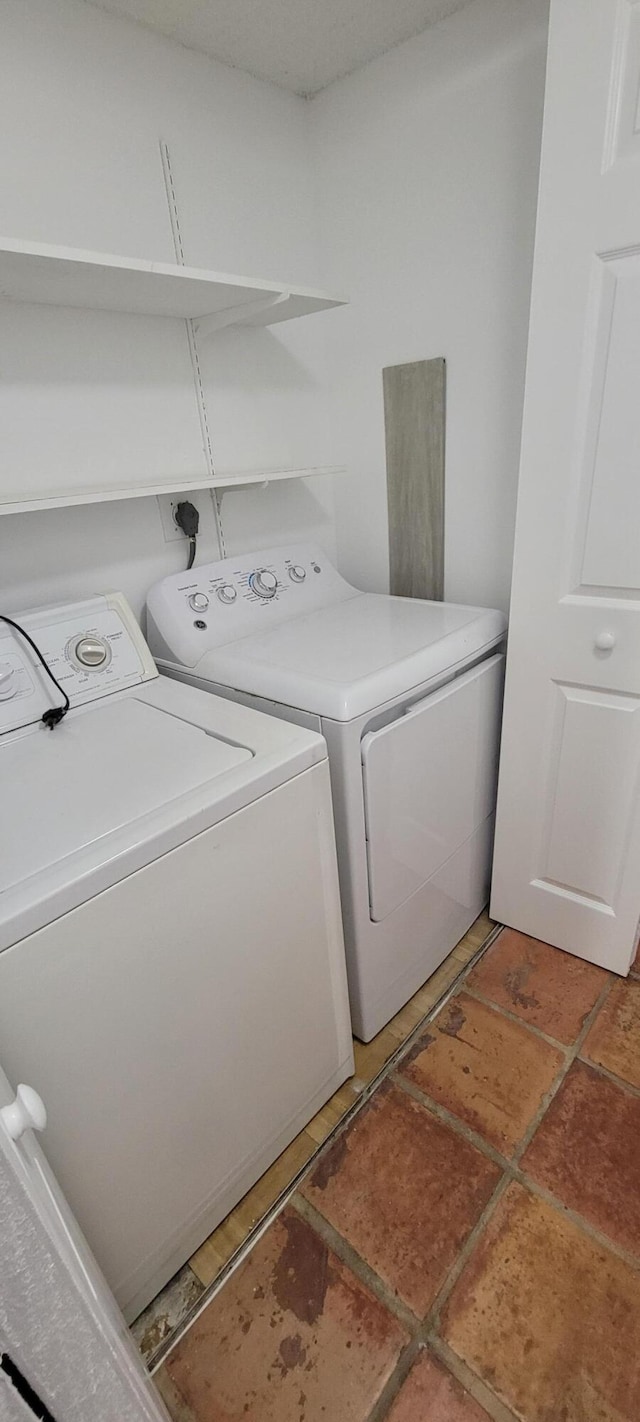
(411, 185)
(84, 99)
(428, 161)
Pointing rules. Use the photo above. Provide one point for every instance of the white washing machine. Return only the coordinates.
(408, 696)
(171, 958)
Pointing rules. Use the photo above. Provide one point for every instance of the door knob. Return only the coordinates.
(605, 641)
(27, 1112)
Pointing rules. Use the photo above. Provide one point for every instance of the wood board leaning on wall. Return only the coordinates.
(414, 418)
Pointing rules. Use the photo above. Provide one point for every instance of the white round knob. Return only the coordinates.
(605, 641)
(91, 651)
(264, 583)
(27, 1112)
(297, 574)
(227, 594)
(8, 681)
(199, 602)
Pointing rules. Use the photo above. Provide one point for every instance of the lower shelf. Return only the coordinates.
(223, 482)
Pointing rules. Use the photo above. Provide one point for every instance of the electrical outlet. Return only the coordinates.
(167, 506)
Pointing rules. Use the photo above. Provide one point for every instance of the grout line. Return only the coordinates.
(210, 1291)
(393, 1385)
(426, 1332)
(431, 1321)
(539, 1115)
(511, 1173)
(513, 1169)
(601, 1070)
(570, 1056)
(519, 1021)
(475, 1138)
(472, 1382)
(454, 1122)
(461, 1128)
(434, 1347)
(358, 1266)
(521, 1177)
(591, 1016)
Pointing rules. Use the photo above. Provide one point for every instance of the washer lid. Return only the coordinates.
(122, 782)
(350, 658)
(101, 770)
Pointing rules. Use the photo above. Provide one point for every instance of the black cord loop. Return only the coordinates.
(53, 717)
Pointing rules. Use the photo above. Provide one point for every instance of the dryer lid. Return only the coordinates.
(354, 656)
(102, 770)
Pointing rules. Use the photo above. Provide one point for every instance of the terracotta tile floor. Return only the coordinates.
(468, 1247)
(536, 983)
(431, 1394)
(548, 1316)
(259, 1349)
(488, 1070)
(614, 1039)
(587, 1153)
(404, 1191)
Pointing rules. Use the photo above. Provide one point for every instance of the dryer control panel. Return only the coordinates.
(93, 648)
(190, 613)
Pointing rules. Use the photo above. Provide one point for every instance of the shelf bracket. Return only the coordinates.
(250, 484)
(235, 315)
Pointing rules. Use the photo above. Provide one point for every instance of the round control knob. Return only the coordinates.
(91, 652)
(199, 602)
(605, 641)
(297, 574)
(227, 594)
(8, 681)
(264, 583)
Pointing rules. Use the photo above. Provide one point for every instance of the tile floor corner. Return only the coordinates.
(468, 1246)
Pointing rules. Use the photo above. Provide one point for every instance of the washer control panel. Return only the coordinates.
(190, 613)
(93, 648)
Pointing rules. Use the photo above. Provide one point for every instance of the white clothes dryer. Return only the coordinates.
(171, 957)
(407, 695)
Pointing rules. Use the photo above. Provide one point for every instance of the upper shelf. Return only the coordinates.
(67, 276)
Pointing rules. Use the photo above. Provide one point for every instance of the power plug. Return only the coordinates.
(187, 518)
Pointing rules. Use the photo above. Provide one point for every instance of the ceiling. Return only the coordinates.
(302, 45)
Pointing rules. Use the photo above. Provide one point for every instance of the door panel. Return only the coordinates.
(612, 547)
(625, 130)
(589, 816)
(567, 857)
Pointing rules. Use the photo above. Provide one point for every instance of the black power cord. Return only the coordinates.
(188, 519)
(53, 717)
(29, 1396)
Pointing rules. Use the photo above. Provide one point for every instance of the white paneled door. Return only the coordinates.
(567, 861)
(65, 1351)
